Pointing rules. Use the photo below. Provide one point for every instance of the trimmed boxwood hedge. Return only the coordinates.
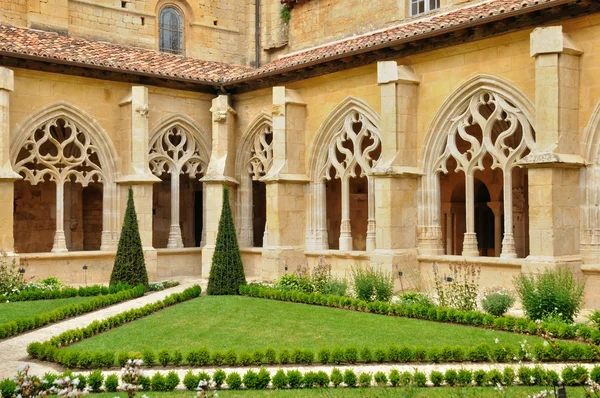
(431, 313)
(291, 378)
(24, 324)
(50, 350)
(68, 292)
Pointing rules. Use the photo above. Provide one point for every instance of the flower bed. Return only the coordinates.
(35, 293)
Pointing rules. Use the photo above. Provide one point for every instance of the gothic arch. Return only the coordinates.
(178, 146)
(253, 159)
(590, 183)
(95, 142)
(435, 149)
(338, 128)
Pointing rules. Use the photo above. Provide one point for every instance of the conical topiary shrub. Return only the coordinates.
(130, 266)
(227, 270)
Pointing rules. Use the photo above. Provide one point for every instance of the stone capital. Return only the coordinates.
(7, 79)
(552, 159)
(283, 96)
(551, 40)
(391, 72)
(221, 110)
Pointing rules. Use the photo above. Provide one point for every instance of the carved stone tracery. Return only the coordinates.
(261, 153)
(176, 151)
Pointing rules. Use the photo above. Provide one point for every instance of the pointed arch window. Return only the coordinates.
(171, 30)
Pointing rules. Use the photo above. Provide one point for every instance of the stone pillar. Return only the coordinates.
(7, 174)
(396, 175)
(497, 209)
(136, 170)
(219, 173)
(286, 185)
(554, 193)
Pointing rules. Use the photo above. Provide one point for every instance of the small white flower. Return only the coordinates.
(497, 340)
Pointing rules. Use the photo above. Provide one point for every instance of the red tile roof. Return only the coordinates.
(28, 43)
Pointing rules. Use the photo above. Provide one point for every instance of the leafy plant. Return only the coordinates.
(497, 303)
(458, 289)
(553, 291)
(11, 280)
(227, 271)
(285, 14)
(111, 383)
(372, 284)
(130, 266)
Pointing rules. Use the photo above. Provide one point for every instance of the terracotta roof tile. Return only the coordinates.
(49, 45)
(40, 44)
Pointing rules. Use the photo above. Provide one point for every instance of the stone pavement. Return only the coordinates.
(13, 351)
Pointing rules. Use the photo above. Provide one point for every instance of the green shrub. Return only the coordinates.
(219, 377)
(336, 377)
(295, 379)
(436, 377)
(524, 374)
(321, 379)
(163, 357)
(338, 356)
(227, 271)
(451, 377)
(350, 378)
(494, 377)
(380, 379)
(351, 355)
(246, 359)
(280, 380)
(308, 357)
(203, 376)
(190, 381)
(335, 287)
(148, 357)
(394, 378)
(263, 379)
(323, 355)
(270, 355)
(366, 355)
(218, 358)
(295, 283)
(364, 380)
(129, 266)
(419, 379)
(309, 379)
(158, 382)
(234, 381)
(372, 285)
(464, 377)
(250, 380)
(595, 374)
(480, 377)
(508, 376)
(177, 358)
(145, 382)
(171, 381)
(111, 383)
(553, 291)
(497, 303)
(406, 379)
(8, 388)
(95, 380)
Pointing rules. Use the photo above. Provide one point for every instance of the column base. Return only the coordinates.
(470, 245)
(508, 246)
(60, 243)
(175, 241)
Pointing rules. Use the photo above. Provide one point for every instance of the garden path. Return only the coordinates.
(13, 351)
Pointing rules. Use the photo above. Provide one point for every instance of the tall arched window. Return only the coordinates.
(171, 30)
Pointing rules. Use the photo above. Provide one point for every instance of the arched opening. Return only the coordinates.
(342, 197)
(178, 157)
(253, 161)
(484, 138)
(58, 153)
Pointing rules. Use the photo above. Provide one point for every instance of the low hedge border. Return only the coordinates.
(495, 353)
(295, 379)
(430, 313)
(49, 350)
(68, 292)
(25, 324)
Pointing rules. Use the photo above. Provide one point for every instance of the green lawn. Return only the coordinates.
(470, 392)
(244, 323)
(27, 309)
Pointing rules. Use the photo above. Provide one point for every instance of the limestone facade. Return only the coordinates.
(486, 152)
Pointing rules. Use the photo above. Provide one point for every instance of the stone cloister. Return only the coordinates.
(363, 169)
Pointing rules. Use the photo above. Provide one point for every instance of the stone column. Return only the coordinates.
(286, 185)
(219, 173)
(136, 171)
(396, 174)
(175, 240)
(554, 193)
(7, 174)
(497, 209)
